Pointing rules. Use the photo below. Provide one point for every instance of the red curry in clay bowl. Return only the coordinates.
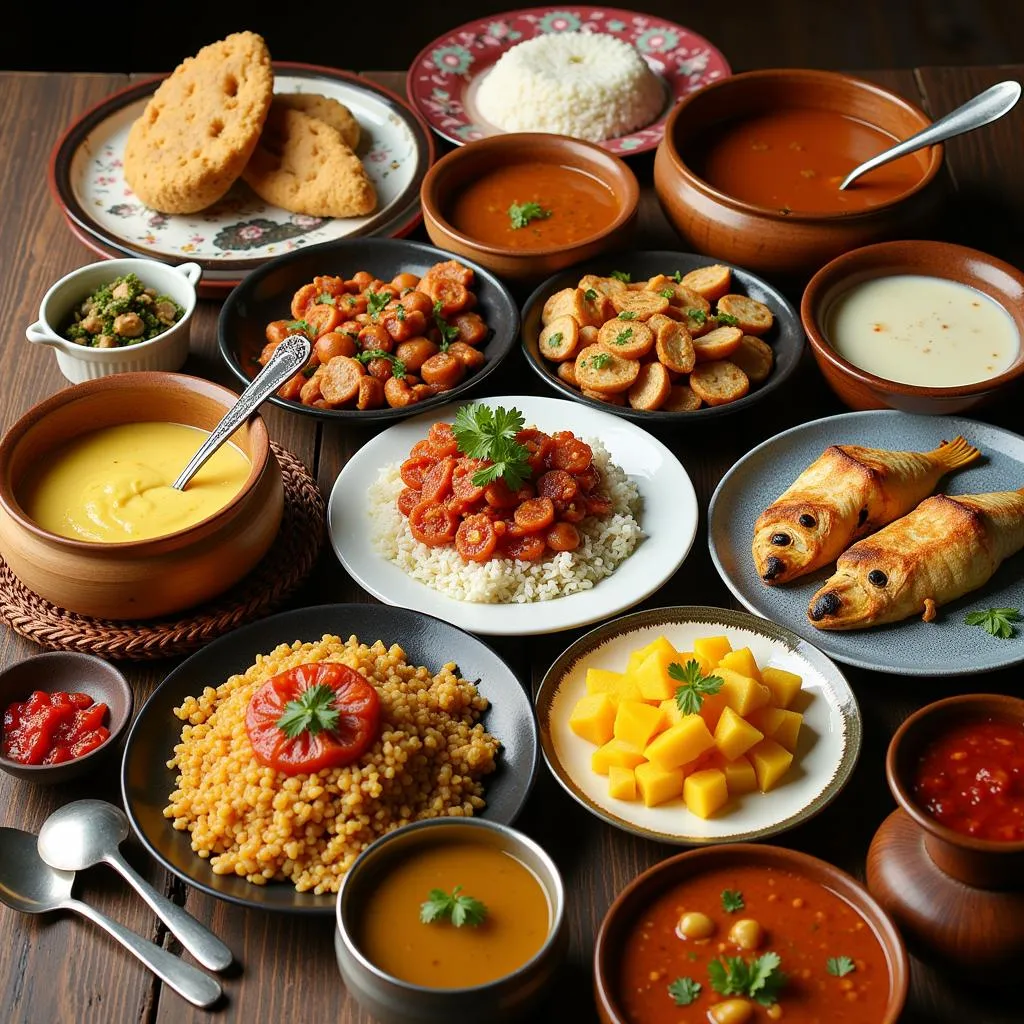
(748, 934)
(526, 205)
(750, 166)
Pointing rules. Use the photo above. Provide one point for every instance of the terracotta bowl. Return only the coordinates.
(68, 672)
(638, 896)
(146, 578)
(862, 390)
(768, 241)
(451, 173)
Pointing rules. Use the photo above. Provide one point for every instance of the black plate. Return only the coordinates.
(786, 336)
(266, 295)
(146, 782)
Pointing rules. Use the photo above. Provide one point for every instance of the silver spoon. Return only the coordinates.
(87, 832)
(986, 107)
(287, 359)
(30, 885)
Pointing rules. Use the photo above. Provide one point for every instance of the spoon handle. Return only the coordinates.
(287, 359)
(983, 109)
(194, 936)
(188, 981)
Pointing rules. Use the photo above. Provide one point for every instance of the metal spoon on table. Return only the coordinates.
(287, 359)
(986, 107)
(88, 832)
(30, 885)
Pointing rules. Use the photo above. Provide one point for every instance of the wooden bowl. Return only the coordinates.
(862, 390)
(145, 578)
(638, 896)
(526, 266)
(770, 241)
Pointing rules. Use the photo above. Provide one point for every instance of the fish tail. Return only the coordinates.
(955, 454)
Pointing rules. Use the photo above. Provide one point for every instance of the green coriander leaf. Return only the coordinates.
(732, 900)
(627, 314)
(997, 621)
(729, 975)
(678, 277)
(556, 338)
(397, 366)
(695, 685)
(599, 360)
(590, 294)
(622, 275)
(698, 316)
(840, 966)
(436, 907)
(485, 433)
(766, 980)
(312, 712)
(520, 214)
(376, 301)
(467, 910)
(400, 313)
(326, 300)
(726, 318)
(299, 325)
(684, 991)
(448, 332)
(666, 293)
(460, 910)
(623, 336)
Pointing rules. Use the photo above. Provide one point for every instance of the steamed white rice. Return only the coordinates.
(604, 543)
(586, 84)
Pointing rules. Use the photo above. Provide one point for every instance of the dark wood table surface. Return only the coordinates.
(59, 968)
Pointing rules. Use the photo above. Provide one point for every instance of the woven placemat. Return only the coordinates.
(265, 589)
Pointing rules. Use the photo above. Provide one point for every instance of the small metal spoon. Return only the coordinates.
(30, 885)
(287, 359)
(87, 832)
(986, 107)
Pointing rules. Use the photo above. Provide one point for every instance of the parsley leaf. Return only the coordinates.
(840, 966)
(522, 213)
(556, 339)
(698, 316)
(684, 991)
(695, 685)
(312, 712)
(599, 360)
(482, 432)
(760, 979)
(666, 293)
(376, 301)
(623, 336)
(678, 277)
(326, 300)
(997, 621)
(397, 366)
(448, 332)
(400, 313)
(622, 275)
(590, 294)
(732, 900)
(627, 314)
(726, 318)
(300, 325)
(460, 910)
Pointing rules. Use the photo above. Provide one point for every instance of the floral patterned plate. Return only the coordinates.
(444, 77)
(240, 231)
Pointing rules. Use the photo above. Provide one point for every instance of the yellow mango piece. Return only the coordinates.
(615, 752)
(705, 666)
(739, 776)
(672, 713)
(621, 783)
(712, 648)
(652, 678)
(683, 742)
(705, 791)
(784, 685)
(741, 661)
(593, 718)
(711, 708)
(636, 722)
(734, 735)
(771, 761)
(617, 685)
(742, 693)
(657, 784)
(781, 725)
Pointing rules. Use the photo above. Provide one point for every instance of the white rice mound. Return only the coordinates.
(585, 84)
(604, 543)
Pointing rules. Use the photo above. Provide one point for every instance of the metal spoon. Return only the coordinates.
(29, 884)
(287, 359)
(986, 107)
(87, 832)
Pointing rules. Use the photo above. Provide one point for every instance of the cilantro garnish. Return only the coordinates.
(695, 685)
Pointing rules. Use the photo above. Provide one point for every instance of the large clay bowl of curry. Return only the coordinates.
(749, 169)
(145, 578)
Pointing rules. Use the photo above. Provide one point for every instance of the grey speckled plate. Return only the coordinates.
(912, 647)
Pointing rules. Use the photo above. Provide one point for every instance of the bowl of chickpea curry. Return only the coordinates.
(396, 326)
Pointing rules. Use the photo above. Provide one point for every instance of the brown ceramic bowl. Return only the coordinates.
(146, 578)
(453, 172)
(68, 672)
(769, 241)
(634, 900)
(862, 390)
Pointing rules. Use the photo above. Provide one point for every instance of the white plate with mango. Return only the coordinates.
(695, 725)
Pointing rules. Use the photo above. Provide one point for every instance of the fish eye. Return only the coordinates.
(807, 520)
(877, 578)
(780, 540)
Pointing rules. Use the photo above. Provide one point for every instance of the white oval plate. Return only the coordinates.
(827, 749)
(668, 518)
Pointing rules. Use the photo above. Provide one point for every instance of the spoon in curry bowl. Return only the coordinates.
(986, 107)
(286, 360)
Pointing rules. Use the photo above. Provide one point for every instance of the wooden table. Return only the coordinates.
(59, 968)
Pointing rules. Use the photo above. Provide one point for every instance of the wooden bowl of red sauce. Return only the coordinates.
(528, 204)
(748, 934)
(749, 169)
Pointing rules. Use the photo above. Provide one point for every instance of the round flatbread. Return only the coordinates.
(336, 114)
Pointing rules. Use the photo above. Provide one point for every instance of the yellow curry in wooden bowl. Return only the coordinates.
(89, 519)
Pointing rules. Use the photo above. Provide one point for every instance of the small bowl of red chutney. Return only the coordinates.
(63, 714)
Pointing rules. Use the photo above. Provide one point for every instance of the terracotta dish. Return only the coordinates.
(773, 239)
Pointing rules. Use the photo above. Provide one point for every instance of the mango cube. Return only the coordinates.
(739, 776)
(617, 685)
(705, 666)
(711, 708)
(672, 713)
(621, 783)
(784, 685)
(615, 752)
(681, 743)
(652, 678)
(705, 791)
(712, 648)
(781, 725)
(636, 723)
(657, 784)
(741, 661)
(771, 761)
(742, 693)
(593, 718)
(734, 735)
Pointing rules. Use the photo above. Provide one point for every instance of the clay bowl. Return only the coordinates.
(644, 890)
(68, 672)
(769, 241)
(450, 175)
(146, 578)
(862, 390)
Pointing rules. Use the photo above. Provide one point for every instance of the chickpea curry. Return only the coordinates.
(123, 312)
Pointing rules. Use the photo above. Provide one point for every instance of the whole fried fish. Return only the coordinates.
(949, 545)
(848, 492)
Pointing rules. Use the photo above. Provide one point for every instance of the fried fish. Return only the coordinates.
(847, 493)
(948, 546)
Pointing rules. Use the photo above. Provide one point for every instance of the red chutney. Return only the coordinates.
(794, 160)
(971, 779)
(800, 920)
(51, 728)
